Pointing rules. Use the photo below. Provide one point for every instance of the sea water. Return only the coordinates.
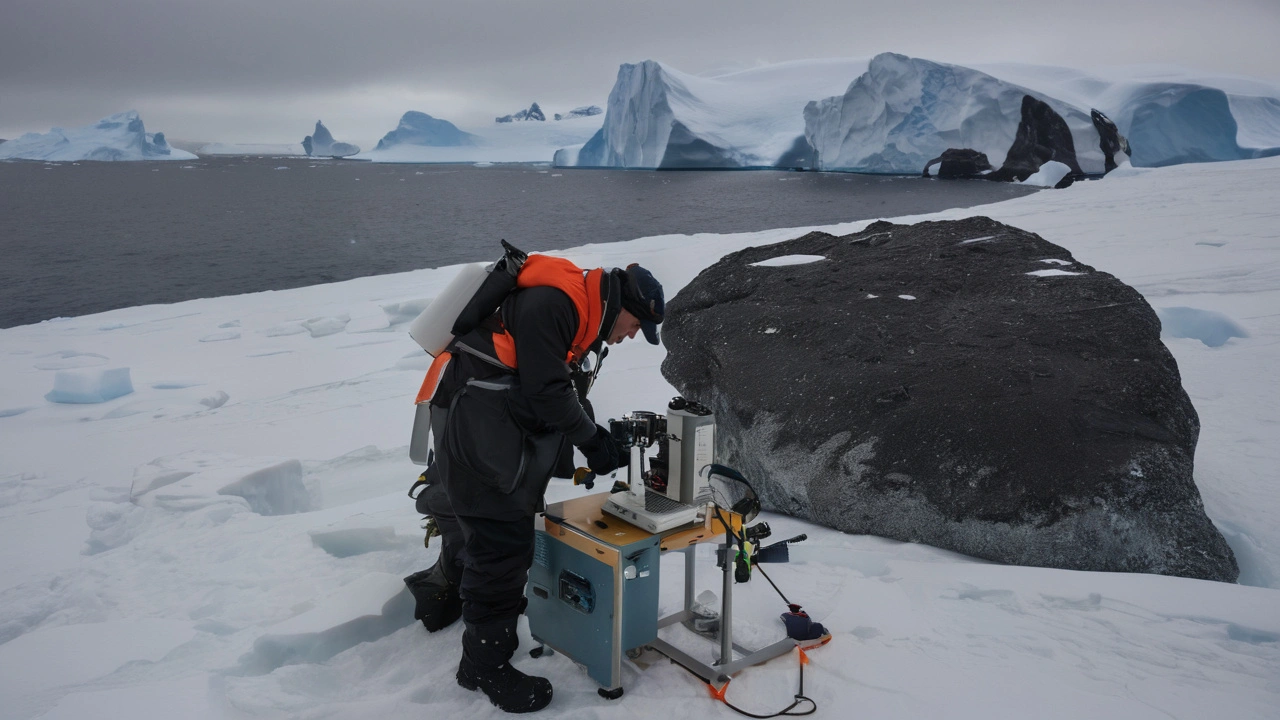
(79, 238)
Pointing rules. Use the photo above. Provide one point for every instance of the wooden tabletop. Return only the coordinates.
(585, 514)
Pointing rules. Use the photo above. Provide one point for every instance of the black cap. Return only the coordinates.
(642, 297)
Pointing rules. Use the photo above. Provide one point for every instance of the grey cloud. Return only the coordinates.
(64, 60)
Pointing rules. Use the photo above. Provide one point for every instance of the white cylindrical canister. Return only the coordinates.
(433, 328)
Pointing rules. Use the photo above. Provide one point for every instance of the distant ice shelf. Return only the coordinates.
(117, 137)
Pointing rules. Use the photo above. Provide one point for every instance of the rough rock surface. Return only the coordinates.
(1042, 136)
(964, 384)
(959, 163)
(534, 112)
(1109, 139)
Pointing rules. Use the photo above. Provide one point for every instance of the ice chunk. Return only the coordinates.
(90, 385)
(1211, 328)
(349, 542)
(215, 400)
(322, 326)
(270, 486)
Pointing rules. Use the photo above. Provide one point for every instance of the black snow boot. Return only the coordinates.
(438, 604)
(486, 666)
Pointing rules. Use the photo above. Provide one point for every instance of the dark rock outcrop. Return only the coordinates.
(533, 113)
(1042, 136)
(1109, 139)
(584, 111)
(959, 163)
(950, 383)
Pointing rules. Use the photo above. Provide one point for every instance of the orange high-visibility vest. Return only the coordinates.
(582, 287)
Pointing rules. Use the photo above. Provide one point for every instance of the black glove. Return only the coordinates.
(602, 452)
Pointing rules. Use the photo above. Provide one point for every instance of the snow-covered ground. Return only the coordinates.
(130, 588)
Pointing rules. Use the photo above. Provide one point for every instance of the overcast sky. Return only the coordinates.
(265, 70)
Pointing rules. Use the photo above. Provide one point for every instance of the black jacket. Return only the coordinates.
(543, 321)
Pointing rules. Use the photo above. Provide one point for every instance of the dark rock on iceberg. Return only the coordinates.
(419, 128)
(1110, 139)
(584, 111)
(964, 384)
(1042, 136)
(959, 163)
(533, 113)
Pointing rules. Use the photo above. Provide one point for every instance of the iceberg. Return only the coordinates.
(524, 142)
(1170, 116)
(903, 112)
(117, 137)
(321, 144)
(419, 128)
(659, 117)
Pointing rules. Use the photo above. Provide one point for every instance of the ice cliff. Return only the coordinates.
(904, 111)
(893, 114)
(419, 128)
(1169, 115)
(659, 117)
(320, 143)
(117, 137)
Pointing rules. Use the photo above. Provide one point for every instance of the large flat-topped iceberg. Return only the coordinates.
(903, 112)
(1170, 115)
(894, 114)
(659, 117)
(118, 137)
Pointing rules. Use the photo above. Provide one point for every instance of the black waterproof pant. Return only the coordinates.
(489, 559)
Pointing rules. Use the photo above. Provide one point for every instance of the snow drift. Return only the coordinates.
(117, 137)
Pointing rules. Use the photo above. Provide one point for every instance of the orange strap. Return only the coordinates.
(434, 374)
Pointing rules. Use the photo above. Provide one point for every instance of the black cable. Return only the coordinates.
(799, 696)
(775, 586)
(785, 712)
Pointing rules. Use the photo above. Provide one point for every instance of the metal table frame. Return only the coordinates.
(717, 674)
